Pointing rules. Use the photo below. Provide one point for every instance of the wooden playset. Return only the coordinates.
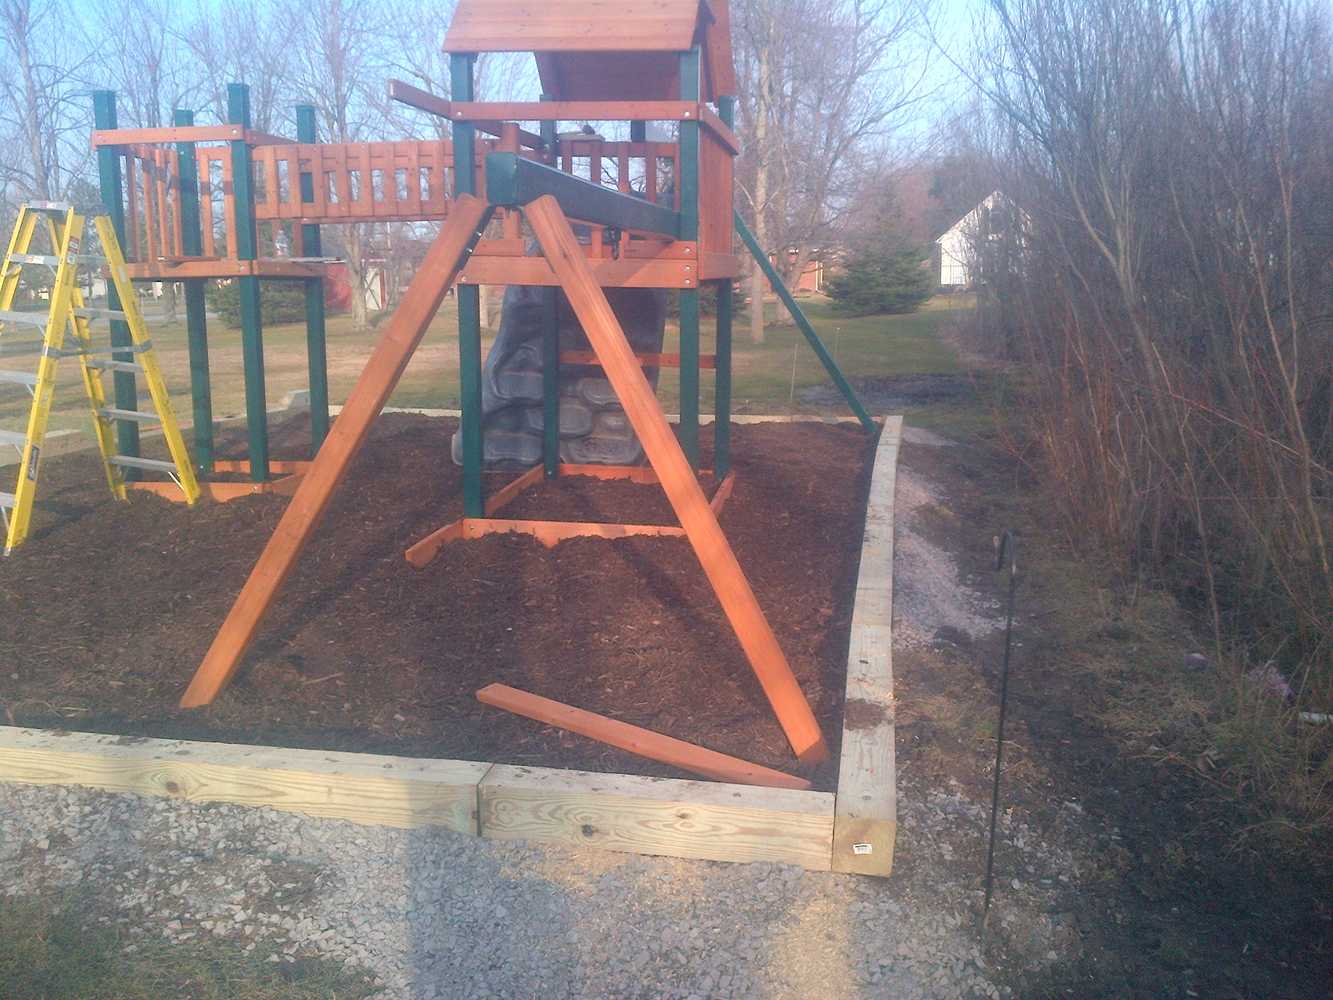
(197, 203)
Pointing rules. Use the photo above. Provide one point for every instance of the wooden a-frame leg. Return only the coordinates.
(467, 217)
(673, 470)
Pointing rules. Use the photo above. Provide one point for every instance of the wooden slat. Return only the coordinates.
(865, 815)
(132, 204)
(623, 273)
(206, 202)
(158, 136)
(162, 172)
(372, 390)
(552, 533)
(564, 111)
(710, 545)
(363, 788)
(636, 739)
(663, 816)
(229, 204)
(178, 247)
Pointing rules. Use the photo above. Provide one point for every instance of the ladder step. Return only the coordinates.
(102, 314)
(16, 438)
(116, 366)
(35, 258)
(130, 462)
(8, 500)
(48, 206)
(138, 416)
(25, 318)
(18, 378)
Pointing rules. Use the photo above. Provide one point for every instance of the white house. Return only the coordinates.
(957, 242)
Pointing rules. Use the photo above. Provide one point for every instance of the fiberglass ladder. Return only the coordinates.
(67, 313)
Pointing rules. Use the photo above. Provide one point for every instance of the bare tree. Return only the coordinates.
(825, 86)
(41, 111)
(338, 66)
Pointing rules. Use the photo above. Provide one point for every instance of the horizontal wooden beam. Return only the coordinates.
(636, 740)
(185, 133)
(174, 269)
(665, 816)
(865, 824)
(560, 111)
(433, 104)
(159, 136)
(514, 182)
(363, 788)
(627, 272)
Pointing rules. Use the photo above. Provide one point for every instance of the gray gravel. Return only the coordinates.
(434, 914)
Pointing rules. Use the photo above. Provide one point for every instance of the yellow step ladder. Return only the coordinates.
(67, 314)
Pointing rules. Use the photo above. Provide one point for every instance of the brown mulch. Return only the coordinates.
(108, 609)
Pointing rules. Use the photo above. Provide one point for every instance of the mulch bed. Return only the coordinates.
(107, 610)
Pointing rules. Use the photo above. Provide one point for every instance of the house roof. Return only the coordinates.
(603, 49)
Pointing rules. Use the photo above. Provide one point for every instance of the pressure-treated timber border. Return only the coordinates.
(709, 820)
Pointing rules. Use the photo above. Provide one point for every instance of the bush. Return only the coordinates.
(881, 279)
(279, 302)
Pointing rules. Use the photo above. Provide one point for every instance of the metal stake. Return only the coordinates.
(1004, 547)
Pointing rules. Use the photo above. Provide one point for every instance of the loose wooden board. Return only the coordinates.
(866, 816)
(666, 816)
(365, 788)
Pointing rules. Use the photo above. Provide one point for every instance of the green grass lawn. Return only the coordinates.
(768, 377)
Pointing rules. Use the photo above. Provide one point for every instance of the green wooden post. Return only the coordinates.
(316, 350)
(550, 348)
(689, 230)
(196, 321)
(726, 110)
(817, 345)
(247, 248)
(113, 203)
(469, 300)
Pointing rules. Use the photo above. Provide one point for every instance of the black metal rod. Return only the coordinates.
(1005, 549)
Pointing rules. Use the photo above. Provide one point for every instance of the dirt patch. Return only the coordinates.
(107, 611)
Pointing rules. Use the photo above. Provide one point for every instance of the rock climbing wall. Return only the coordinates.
(593, 427)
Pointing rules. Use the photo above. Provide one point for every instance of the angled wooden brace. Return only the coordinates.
(645, 414)
(447, 255)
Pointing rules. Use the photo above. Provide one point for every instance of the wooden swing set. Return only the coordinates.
(658, 61)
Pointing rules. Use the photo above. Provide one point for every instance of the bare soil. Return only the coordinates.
(106, 612)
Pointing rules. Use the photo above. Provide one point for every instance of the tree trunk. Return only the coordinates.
(757, 285)
(356, 273)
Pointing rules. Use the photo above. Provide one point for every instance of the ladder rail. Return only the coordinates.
(67, 243)
(157, 387)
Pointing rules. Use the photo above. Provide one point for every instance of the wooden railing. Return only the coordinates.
(362, 183)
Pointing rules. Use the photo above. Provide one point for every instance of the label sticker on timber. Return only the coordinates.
(33, 455)
(862, 849)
